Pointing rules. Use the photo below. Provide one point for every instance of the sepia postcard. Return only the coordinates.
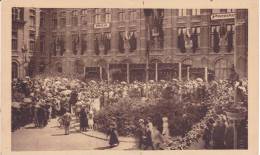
(129, 77)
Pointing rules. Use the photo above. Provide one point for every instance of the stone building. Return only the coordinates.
(25, 31)
(111, 44)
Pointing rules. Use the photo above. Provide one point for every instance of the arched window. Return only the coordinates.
(59, 67)
(222, 69)
(204, 62)
(15, 67)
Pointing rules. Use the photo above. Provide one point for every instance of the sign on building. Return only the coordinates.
(223, 16)
(101, 25)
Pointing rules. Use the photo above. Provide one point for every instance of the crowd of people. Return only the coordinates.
(41, 98)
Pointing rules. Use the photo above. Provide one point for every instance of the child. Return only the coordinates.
(66, 120)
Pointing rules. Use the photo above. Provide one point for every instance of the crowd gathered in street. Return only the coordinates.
(38, 100)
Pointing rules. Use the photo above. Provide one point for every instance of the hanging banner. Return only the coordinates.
(101, 25)
(223, 16)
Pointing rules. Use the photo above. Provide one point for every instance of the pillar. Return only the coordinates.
(206, 74)
(127, 73)
(100, 73)
(179, 71)
(156, 71)
(188, 73)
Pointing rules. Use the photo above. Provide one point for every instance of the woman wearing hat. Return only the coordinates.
(113, 135)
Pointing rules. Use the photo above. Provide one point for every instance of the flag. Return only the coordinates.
(194, 38)
(216, 41)
(181, 42)
(230, 40)
(121, 43)
(96, 45)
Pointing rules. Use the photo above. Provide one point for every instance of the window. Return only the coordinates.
(32, 35)
(42, 43)
(108, 9)
(62, 22)
(195, 12)
(15, 13)
(74, 18)
(32, 21)
(182, 12)
(229, 37)
(54, 20)
(195, 38)
(97, 11)
(14, 40)
(107, 42)
(75, 43)
(42, 17)
(108, 18)
(215, 38)
(83, 43)
(121, 42)
(32, 45)
(84, 17)
(97, 18)
(132, 15)
(62, 19)
(231, 10)
(84, 12)
(84, 20)
(121, 16)
(215, 10)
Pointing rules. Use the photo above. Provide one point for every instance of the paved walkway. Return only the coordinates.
(51, 138)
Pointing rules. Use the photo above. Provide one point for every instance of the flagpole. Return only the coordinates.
(147, 14)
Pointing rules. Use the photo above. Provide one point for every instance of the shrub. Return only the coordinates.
(127, 112)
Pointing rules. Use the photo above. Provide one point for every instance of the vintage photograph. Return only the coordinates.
(129, 79)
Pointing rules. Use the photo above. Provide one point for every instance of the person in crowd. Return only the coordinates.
(73, 100)
(149, 140)
(91, 119)
(141, 134)
(207, 135)
(66, 121)
(112, 135)
(157, 139)
(218, 135)
(83, 119)
(229, 135)
(36, 119)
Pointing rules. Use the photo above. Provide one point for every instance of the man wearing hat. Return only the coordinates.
(141, 133)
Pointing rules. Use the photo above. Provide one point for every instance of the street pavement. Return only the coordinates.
(52, 138)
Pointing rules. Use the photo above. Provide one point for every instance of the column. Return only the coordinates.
(156, 71)
(100, 73)
(179, 71)
(188, 73)
(127, 73)
(206, 74)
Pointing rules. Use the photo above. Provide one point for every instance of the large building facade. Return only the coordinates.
(114, 44)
